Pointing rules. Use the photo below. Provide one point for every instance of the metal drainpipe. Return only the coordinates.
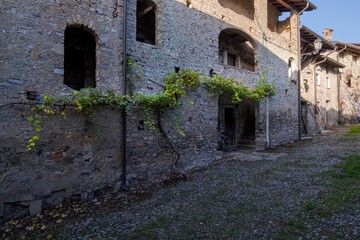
(267, 123)
(124, 92)
(299, 67)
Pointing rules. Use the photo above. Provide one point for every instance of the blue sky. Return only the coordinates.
(340, 15)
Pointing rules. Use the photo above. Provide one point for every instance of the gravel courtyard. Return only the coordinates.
(285, 193)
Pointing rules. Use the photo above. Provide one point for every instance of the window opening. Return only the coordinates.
(236, 49)
(291, 70)
(277, 21)
(306, 85)
(327, 82)
(231, 59)
(79, 58)
(146, 21)
(318, 80)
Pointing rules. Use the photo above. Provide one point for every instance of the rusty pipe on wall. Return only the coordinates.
(124, 186)
(299, 68)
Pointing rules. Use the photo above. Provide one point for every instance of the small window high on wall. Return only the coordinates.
(146, 21)
(292, 73)
(80, 58)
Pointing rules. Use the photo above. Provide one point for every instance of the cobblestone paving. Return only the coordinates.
(247, 195)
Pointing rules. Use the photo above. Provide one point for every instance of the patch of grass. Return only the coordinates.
(346, 183)
(350, 168)
(149, 229)
(309, 206)
(345, 187)
(298, 224)
(291, 150)
(297, 162)
(352, 133)
(239, 208)
(220, 193)
(353, 130)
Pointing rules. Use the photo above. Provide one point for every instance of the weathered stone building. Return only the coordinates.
(349, 82)
(52, 47)
(330, 87)
(319, 82)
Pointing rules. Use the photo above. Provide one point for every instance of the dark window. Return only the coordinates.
(146, 21)
(80, 59)
(231, 59)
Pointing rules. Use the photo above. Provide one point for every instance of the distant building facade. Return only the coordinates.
(319, 83)
(330, 88)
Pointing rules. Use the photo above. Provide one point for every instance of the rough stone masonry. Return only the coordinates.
(79, 156)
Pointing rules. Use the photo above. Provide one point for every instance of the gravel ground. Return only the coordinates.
(275, 194)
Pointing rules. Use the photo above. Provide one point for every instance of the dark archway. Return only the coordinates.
(237, 124)
(80, 58)
(237, 49)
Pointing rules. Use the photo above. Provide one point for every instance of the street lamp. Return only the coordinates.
(317, 45)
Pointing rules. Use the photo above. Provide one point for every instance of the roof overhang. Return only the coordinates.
(330, 61)
(310, 36)
(349, 47)
(289, 5)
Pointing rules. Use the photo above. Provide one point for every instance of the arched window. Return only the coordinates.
(80, 58)
(146, 21)
(292, 70)
(237, 49)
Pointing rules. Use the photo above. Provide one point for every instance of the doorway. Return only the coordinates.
(237, 124)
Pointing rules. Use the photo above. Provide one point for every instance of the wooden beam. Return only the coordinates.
(287, 5)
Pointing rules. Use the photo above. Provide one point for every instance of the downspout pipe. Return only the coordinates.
(124, 186)
(306, 7)
(299, 68)
(324, 60)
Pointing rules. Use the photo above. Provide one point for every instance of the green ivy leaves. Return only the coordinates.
(175, 86)
(238, 91)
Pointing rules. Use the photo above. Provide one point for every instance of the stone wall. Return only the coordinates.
(79, 156)
(153, 154)
(75, 157)
(194, 44)
(320, 88)
(349, 88)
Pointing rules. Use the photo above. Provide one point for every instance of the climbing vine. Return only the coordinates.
(237, 90)
(175, 87)
(84, 101)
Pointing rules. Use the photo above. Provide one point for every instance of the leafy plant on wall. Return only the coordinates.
(153, 106)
